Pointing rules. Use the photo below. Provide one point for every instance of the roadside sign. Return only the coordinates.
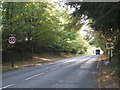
(109, 45)
(109, 37)
(12, 39)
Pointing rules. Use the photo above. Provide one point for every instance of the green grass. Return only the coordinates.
(114, 67)
(9, 68)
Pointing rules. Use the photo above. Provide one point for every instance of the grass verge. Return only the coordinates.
(107, 77)
(35, 61)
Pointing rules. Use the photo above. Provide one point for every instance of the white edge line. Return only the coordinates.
(34, 76)
(7, 86)
(98, 65)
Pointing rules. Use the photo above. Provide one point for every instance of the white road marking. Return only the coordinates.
(51, 63)
(53, 69)
(34, 76)
(56, 85)
(7, 86)
(98, 65)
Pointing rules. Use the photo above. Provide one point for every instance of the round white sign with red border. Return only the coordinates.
(12, 40)
(109, 37)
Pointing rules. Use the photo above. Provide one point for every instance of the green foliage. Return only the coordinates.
(103, 15)
(104, 18)
(74, 24)
(98, 43)
(51, 30)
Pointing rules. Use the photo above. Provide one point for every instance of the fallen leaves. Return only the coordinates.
(106, 77)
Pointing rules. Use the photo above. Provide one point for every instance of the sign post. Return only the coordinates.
(110, 37)
(109, 54)
(12, 41)
(109, 45)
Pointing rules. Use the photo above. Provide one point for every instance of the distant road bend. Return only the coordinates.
(76, 72)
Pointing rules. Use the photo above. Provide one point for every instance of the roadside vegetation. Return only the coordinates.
(107, 74)
(103, 19)
(43, 27)
(36, 60)
(40, 27)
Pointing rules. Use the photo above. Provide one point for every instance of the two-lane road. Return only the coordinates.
(76, 72)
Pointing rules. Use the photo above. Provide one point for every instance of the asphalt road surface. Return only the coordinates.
(76, 72)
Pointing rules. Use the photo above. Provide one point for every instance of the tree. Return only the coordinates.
(104, 18)
(47, 28)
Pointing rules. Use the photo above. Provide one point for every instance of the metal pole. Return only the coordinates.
(31, 46)
(110, 56)
(12, 64)
(31, 49)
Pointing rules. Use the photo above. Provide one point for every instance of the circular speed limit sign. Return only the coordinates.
(12, 40)
(110, 37)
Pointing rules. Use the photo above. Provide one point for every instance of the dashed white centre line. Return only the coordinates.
(53, 69)
(34, 76)
(8, 86)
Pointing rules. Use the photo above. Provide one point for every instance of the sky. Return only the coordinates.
(84, 27)
(82, 32)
